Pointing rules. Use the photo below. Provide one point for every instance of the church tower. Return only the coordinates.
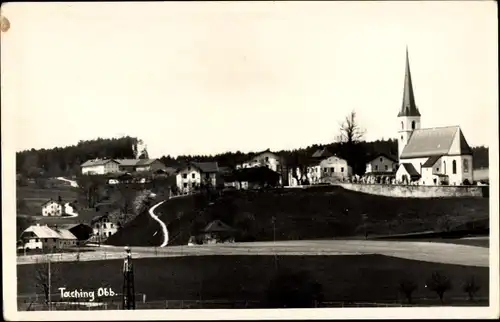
(408, 116)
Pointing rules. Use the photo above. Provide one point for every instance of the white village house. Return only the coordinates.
(100, 166)
(52, 208)
(439, 155)
(263, 159)
(382, 164)
(335, 167)
(102, 228)
(194, 174)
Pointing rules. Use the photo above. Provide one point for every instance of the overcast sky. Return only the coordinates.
(207, 77)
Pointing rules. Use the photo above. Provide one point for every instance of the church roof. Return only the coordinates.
(410, 169)
(431, 161)
(408, 107)
(437, 141)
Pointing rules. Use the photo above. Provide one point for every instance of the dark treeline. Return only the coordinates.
(66, 161)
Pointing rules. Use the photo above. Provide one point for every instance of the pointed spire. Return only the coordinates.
(408, 107)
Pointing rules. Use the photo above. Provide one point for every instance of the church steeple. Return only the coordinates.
(408, 107)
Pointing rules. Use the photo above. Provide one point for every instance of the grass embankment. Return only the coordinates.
(177, 214)
(330, 212)
(367, 278)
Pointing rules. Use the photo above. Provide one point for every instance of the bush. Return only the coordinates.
(466, 182)
(293, 290)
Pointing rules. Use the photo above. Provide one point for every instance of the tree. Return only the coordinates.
(245, 225)
(350, 136)
(471, 287)
(439, 283)
(293, 290)
(350, 131)
(407, 287)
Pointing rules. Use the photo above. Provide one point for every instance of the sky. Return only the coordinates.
(210, 77)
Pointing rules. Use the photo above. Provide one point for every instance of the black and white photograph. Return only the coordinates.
(250, 159)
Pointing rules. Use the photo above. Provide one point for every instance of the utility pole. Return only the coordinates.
(49, 284)
(128, 282)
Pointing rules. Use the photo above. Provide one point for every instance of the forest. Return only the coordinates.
(66, 161)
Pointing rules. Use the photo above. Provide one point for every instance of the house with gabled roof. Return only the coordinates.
(43, 237)
(192, 175)
(381, 164)
(440, 155)
(264, 158)
(52, 208)
(99, 166)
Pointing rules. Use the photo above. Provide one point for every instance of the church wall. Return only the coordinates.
(461, 173)
(410, 191)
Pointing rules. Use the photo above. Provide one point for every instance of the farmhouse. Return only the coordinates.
(44, 237)
(100, 167)
(52, 208)
(193, 175)
(265, 158)
(440, 155)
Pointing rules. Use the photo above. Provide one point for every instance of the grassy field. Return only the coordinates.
(305, 214)
(367, 278)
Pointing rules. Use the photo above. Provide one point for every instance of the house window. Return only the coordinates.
(376, 167)
(466, 165)
(437, 169)
(380, 159)
(193, 175)
(267, 159)
(185, 185)
(413, 125)
(454, 166)
(36, 240)
(325, 170)
(332, 169)
(342, 169)
(402, 128)
(46, 239)
(207, 175)
(401, 138)
(386, 167)
(185, 176)
(194, 184)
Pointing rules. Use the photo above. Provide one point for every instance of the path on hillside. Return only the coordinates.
(423, 251)
(68, 209)
(162, 224)
(73, 183)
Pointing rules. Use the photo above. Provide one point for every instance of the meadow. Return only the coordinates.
(343, 278)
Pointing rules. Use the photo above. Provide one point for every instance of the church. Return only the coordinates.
(432, 156)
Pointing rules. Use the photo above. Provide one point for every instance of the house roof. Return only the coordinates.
(322, 153)
(206, 167)
(408, 106)
(48, 201)
(410, 169)
(96, 162)
(388, 156)
(217, 226)
(128, 162)
(70, 226)
(436, 141)
(145, 162)
(42, 231)
(65, 233)
(431, 161)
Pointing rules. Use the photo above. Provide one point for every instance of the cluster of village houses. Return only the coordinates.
(426, 156)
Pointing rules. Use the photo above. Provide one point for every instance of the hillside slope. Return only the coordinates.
(332, 212)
